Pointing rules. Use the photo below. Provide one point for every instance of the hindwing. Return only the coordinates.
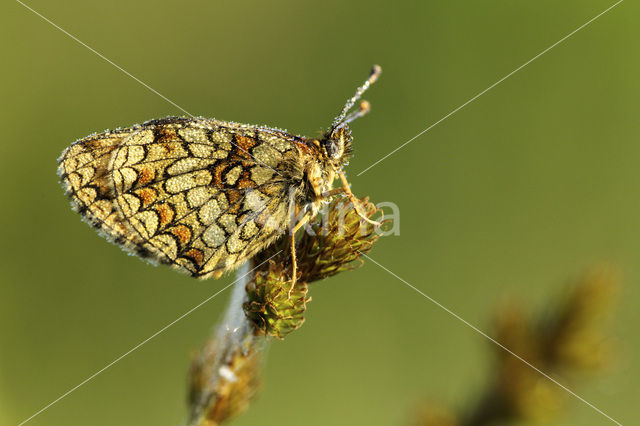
(201, 195)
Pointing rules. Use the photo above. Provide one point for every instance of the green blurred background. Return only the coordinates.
(513, 195)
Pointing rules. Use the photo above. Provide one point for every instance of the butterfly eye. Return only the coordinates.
(333, 150)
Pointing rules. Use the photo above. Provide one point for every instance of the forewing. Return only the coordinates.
(200, 195)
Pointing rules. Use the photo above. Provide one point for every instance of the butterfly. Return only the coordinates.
(205, 195)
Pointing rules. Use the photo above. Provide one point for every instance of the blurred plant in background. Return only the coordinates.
(564, 341)
(225, 373)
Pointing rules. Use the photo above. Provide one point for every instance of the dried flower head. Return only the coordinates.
(236, 381)
(564, 340)
(333, 243)
(273, 309)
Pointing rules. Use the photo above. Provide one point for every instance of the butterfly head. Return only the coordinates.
(336, 143)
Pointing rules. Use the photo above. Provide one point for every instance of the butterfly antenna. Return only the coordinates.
(364, 107)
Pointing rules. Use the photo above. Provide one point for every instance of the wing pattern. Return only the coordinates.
(200, 195)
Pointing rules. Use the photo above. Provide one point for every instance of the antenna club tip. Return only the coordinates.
(376, 70)
(365, 106)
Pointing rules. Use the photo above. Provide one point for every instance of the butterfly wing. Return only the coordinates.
(200, 195)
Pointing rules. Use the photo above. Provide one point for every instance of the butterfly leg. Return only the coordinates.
(332, 192)
(356, 203)
(294, 259)
(294, 265)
